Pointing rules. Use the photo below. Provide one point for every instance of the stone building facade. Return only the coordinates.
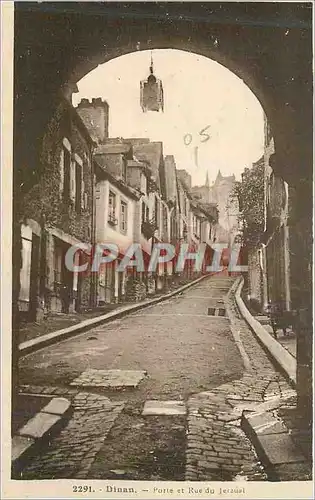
(276, 237)
(269, 260)
(57, 213)
(115, 222)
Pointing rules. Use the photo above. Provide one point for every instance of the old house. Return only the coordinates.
(58, 213)
(170, 196)
(154, 226)
(184, 197)
(115, 223)
(276, 238)
(266, 215)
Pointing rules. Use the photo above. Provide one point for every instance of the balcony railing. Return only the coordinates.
(112, 220)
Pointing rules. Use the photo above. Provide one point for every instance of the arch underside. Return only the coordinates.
(271, 54)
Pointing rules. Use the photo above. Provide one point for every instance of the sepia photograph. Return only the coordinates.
(159, 248)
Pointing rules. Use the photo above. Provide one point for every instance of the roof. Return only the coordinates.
(135, 163)
(170, 178)
(208, 210)
(184, 187)
(102, 173)
(113, 148)
(222, 178)
(151, 152)
(137, 140)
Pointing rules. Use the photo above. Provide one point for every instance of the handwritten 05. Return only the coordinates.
(204, 137)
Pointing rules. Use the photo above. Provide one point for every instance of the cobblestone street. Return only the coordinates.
(183, 355)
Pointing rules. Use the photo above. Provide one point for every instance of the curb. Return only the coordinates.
(53, 337)
(37, 431)
(236, 334)
(281, 357)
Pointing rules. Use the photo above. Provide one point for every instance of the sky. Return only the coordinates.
(198, 93)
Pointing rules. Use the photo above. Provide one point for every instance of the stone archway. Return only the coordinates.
(269, 46)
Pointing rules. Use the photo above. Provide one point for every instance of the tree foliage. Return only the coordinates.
(249, 193)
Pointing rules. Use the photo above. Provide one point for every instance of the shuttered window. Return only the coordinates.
(123, 216)
(112, 208)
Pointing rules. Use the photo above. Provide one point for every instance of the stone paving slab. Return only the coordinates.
(264, 423)
(272, 428)
(57, 406)
(109, 378)
(40, 425)
(280, 449)
(154, 407)
(19, 446)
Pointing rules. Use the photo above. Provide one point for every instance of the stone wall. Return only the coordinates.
(276, 267)
(255, 276)
(44, 200)
(45, 203)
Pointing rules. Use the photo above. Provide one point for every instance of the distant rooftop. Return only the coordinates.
(113, 148)
(151, 152)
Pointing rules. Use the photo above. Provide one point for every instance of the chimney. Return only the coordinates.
(95, 116)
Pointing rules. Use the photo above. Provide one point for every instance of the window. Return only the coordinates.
(112, 208)
(145, 212)
(165, 221)
(65, 170)
(78, 187)
(57, 262)
(123, 217)
(66, 173)
(25, 272)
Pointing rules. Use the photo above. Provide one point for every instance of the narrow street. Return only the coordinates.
(181, 354)
(182, 348)
(158, 264)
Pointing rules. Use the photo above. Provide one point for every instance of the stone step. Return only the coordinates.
(272, 442)
(37, 431)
